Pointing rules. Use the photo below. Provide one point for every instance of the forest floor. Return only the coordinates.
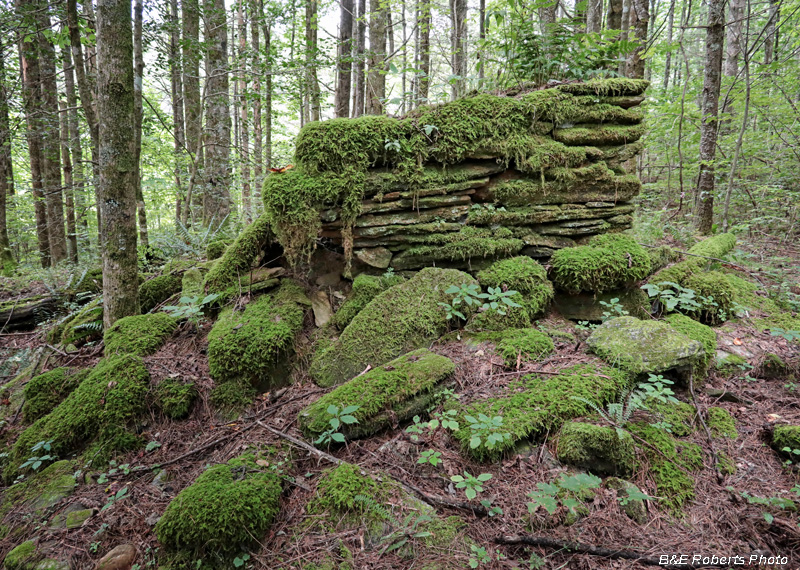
(719, 520)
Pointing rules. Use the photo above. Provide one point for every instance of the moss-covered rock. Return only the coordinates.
(155, 291)
(229, 507)
(523, 344)
(175, 398)
(46, 391)
(524, 275)
(607, 262)
(394, 392)
(80, 325)
(773, 367)
(216, 248)
(786, 438)
(400, 319)
(712, 247)
(141, 335)
(599, 449)
(717, 295)
(192, 283)
(257, 344)
(703, 334)
(541, 404)
(730, 364)
(765, 313)
(21, 557)
(365, 288)
(642, 347)
(494, 320)
(633, 507)
(679, 415)
(230, 398)
(41, 490)
(597, 307)
(721, 423)
(239, 256)
(99, 410)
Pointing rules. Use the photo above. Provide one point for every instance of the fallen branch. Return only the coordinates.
(613, 553)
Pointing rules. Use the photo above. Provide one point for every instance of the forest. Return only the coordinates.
(299, 284)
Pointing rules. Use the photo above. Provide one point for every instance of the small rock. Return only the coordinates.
(379, 257)
(120, 558)
(328, 279)
(635, 509)
(321, 306)
(152, 519)
(161, 481)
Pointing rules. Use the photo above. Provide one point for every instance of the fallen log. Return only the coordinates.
(23, 314)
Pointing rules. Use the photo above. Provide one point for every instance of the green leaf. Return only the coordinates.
(471, 493)
(337, 437)
(348, 420)
(332, 410)
(350, 409)
(484, 476)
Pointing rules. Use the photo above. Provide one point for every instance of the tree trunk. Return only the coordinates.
(547, 16)
(216, 193)
(712, 74)
(51, 137)
(31, 94)
(192, 104)
(640, 17)
(594, 16)
(734, 38)
(668, 57)
(117, 183)
(138, 111)
(458, 46)
(76, 151)
(6, 170)
(266, 29)
(360, 49)
(176, 92)
(624, 63)
(614, 16)
(771, 34)
(345, 59)
(69, 184)
(244, 104)
(376, 77)
(424, 52)
(312, 83)
(258, 133)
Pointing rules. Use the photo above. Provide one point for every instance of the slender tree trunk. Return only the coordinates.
(31, 94)
(69, 185)
(458, 45)
(360, 62)
(345, 60)
(182, 208)
(594, 16)
(51, 147)
(712, 72)
(668, 57)
(547, 17)
(117, 183)
(193, 106)
(481, 40)
(733, 45)
(258, 132)
(640, 18)
(266, 29)
(76, 151)
(312, 83)
(138, 111)
(424, 52)
(771, 34)
(376, 77)
(7, 262)
(216, 194)
(244, 105)
(624, 63)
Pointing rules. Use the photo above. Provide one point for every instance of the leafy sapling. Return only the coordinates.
(337, 420)
(471, 484)
(486, 431)
(36, 461)
(191, 308)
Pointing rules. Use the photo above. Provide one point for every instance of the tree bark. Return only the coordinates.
(176, 92)
(76, 151)
(192, 105)
(216, 193)
(51, 137)
(7, 262)
(266, 29)
(733, 46)
(360, 62)
(69, 184)
(376, 77)
(771, 34)
(424, 52)
(712, 74)
(640, 18)
(594, 16)
(344, 68)
(312, 82)
(258, 133)
(244, 104)
(117, 182)
(138, 111)
(31, 94)
(458, 46)
(668, 57)
(614, 15)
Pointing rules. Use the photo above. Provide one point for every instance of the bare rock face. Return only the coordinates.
(119, 558)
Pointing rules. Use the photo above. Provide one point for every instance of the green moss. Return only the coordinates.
(402, 318)
(21, 556)
(141, 335)
(536, 191)
(731, 364)
(614, 87)
(386, 394)
(240, 256)
(721, 423)
(661, 256)
(598, 135)
(714, 247)
(257, 344)
(46, 391)
(527, 344)
(718, 293)
(786, 437)
(216, 249)
(607, 262)
(599, 449)
(668, 469)
(726, 465)
(338, 491)
(155, 291)
(175, 398)
(86, 322)
(492, 320)
(524, 275)
(769, 314)
(703, 334)
(365, 288)
(232, 397)
(41, 490)
(98, 410)
(543, 404)
(679, 415)
(228, 508)
(467, 244)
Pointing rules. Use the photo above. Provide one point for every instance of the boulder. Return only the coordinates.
(599, 449)
(119, 558)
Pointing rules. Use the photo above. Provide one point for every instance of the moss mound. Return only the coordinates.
(703, 334)
(340, 488)
(98, 410)
(141, 335)
(257, 344)
(721, 423)
(365, 289)
(524, 275)
(718, 292)
(82, 324)
(155, 291)
(526, 344)
(786, 439)
(175, 398)
(599, 449)
(715, 247)
(539, 405)
(41, 490)
(239, 256)
(227, 508)
(387, 394)
(216, 249)
(232, 397)
(46, 391)
(400, 319)
(769, 314)
(608, 262)
(21, 557)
